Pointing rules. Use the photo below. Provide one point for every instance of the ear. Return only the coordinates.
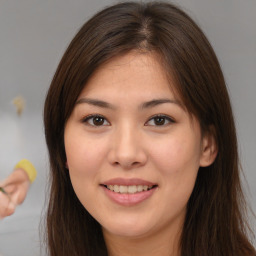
(209, 148)
(66, 164)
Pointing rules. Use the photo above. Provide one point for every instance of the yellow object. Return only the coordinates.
(19, 103)
(28, 167)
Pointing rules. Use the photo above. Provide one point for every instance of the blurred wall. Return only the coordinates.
(33, 37)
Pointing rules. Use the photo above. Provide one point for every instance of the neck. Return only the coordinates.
(163, 242)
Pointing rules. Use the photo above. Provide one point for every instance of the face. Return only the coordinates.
(133, 151)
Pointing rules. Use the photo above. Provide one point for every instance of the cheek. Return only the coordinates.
(85, 159)
(176, 153)
(84, 156)
(177, 162)
(177, 159)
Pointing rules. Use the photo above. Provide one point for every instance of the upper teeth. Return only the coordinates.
(128, 189)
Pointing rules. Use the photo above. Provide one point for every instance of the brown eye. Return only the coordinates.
(159, 120)
(95, 120)
(98, 120)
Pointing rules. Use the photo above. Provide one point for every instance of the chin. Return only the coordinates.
(127, 229)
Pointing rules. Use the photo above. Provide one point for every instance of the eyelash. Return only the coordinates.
(161, 116)
(89, 118)
(92, 117)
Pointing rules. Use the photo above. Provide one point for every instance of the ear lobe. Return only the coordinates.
(209, 148)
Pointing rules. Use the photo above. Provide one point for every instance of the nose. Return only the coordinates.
(127, 149)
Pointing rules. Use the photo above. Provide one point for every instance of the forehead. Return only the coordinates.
(135, 73)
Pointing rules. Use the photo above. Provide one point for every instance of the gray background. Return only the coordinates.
(33, 37)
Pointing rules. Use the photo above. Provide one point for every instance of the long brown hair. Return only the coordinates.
(215, 223)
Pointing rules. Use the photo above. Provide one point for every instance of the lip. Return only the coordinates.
(128, 199)
(128, 182)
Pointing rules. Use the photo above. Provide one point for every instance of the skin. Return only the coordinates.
(15, 188)
(129, 142)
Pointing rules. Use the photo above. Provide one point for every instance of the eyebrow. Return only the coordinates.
(156, 102)
(144, 105)
(95, 102)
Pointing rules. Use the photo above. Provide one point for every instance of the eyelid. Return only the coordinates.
(91, 116)
(170, 119)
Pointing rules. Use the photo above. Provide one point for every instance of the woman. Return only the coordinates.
(142, 141)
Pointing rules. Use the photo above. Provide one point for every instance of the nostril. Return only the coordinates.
(127, 165)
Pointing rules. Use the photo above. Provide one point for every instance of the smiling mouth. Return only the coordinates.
(122, 189)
